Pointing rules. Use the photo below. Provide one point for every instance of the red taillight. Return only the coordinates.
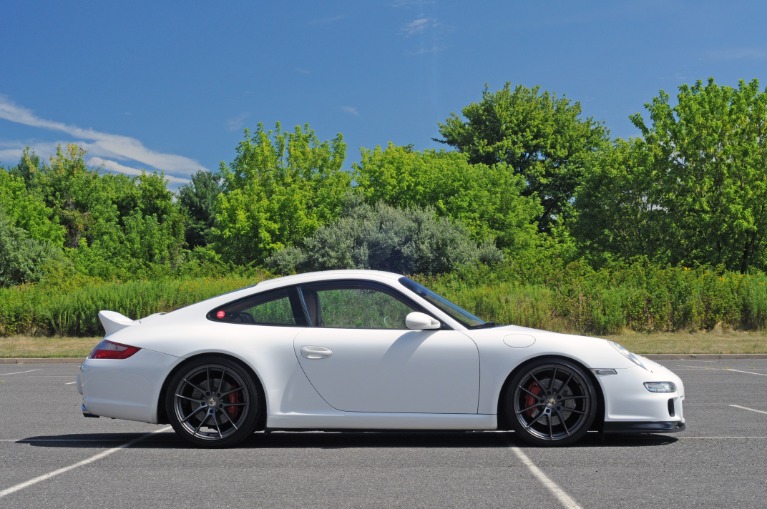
(111, 350)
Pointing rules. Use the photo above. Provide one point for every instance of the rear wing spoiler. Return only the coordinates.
(114, 321)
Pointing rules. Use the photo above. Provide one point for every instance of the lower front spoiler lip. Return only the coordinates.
(643, 427)
(86, 413)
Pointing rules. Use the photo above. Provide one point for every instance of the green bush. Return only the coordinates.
(571, 298)
(46, 310)
(382, 237)
(641, 297)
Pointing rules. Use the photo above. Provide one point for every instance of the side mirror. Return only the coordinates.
(421, 321)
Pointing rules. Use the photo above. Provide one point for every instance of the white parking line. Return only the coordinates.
(70, 383)
(19, 372)
(749, 409)
(44, 477)
(746, 372)
(721, 438)
(550, 485)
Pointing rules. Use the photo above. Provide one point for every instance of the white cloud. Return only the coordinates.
(351, 110)
(127, 170)
(237, 123)
(418, 26)
(100, 143)
(412, 3)
(739, 54)
(425, 50)
(330, 20)
(10, 153)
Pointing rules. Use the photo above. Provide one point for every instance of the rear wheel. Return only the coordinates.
(551, 402)
(213, 402)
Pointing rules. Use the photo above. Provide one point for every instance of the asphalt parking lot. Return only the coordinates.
(53, 457)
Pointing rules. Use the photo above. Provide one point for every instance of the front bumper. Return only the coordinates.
(630, 408)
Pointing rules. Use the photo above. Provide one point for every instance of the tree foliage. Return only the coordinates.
(382, 237)
(198, 200)
(486, 199)
(28, 211)
(110, 226)
(693, 189)
(23, 259)
(618, 216)
(278, 190)
(540, 137)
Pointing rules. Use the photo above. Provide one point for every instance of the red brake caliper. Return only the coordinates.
(530, 400)
(232, 398)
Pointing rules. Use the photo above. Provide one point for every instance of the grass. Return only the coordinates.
(715, 342)
(43, 347)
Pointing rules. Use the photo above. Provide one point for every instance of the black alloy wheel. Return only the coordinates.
(213, 402)
(551, 402)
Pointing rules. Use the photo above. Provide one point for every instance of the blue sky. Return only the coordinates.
(170, 85)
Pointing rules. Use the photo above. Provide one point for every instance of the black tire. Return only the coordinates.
(550, 402)
(213, 402)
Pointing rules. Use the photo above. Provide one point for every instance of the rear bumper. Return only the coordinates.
(126, 388)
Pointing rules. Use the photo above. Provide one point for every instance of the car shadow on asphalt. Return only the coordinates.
(340, 440)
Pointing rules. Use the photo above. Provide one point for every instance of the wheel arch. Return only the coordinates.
(502, 399)
(162, 416)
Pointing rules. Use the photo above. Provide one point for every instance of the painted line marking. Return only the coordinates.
(746, 372)
(19, 372)
(550, 485)
(749, 409)
(32, 441)
(721, 438)
(70, 383)
(101, 455)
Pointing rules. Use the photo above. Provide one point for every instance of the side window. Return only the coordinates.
(270, 308)
(355, 305)
(277, 311)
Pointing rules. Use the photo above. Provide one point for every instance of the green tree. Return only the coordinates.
(78, 195)
(278, 190)
(114, 226)
(198, 200)
(28, 211)
(29, 168)
(618, 215)
(23, 259)
(487, 199)
(540, 137)
(696, 180)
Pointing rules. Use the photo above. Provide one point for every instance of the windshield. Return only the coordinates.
(456, 312)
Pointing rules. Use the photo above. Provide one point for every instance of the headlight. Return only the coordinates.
(630, 356)
(660, 386)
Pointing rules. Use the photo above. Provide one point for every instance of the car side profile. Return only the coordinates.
(366, 350)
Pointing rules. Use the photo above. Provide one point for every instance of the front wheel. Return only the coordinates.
(212, 402)
(551, 402)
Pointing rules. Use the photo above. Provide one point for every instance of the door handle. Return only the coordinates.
(315, 352)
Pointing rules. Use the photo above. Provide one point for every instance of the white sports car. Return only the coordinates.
(365, 350)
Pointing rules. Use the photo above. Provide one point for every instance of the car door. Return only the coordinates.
(360, 357)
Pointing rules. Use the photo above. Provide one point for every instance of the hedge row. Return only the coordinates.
(642, 298)
(37, 310)
(578, 299)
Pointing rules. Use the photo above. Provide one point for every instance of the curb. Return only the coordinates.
(41, 360)
(702, 356)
